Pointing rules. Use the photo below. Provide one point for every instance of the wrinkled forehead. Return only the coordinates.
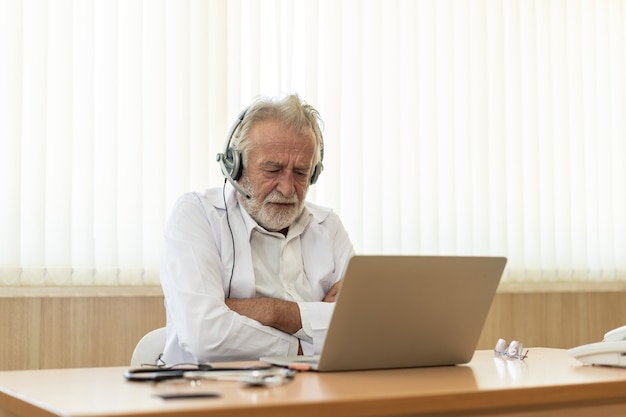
(273, 137)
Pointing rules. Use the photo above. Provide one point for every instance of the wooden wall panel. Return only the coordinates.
(84, 330)
(560, 319)
(54, 329)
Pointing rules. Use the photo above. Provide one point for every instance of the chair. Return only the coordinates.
(149, 348)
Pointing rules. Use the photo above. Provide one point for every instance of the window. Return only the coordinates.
(451, 127)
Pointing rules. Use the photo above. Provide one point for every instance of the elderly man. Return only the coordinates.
(251, 269)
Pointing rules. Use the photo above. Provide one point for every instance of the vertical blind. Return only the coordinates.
(468, 127)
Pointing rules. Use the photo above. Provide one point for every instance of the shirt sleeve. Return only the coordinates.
(315, 318)
(305, 333)
(201, 328)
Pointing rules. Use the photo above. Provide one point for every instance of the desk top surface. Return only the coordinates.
(484, 384)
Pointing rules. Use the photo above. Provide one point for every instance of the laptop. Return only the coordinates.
(405, 312)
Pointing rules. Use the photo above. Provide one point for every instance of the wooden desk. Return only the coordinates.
(547, 383)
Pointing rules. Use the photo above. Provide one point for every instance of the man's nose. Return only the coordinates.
(286, 184)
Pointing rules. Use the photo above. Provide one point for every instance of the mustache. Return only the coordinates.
(276, 197)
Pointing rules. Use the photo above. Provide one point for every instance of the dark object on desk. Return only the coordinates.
(156, 374)
(186, 395)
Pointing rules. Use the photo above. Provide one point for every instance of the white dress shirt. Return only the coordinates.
(197, 273)
(278, 267)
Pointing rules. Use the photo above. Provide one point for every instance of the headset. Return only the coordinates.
(231, 162)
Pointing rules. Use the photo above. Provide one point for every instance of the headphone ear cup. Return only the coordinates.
(317, 170)
(230, 160)
(234, 164)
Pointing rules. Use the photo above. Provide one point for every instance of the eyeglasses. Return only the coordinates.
(513, 351)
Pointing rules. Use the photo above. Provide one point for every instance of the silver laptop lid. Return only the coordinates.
(410, 311)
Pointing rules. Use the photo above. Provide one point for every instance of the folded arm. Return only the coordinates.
(282, 315)
(279, 314)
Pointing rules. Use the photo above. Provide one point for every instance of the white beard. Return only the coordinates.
(266, 215)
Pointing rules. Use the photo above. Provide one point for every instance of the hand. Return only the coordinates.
(331, 295)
